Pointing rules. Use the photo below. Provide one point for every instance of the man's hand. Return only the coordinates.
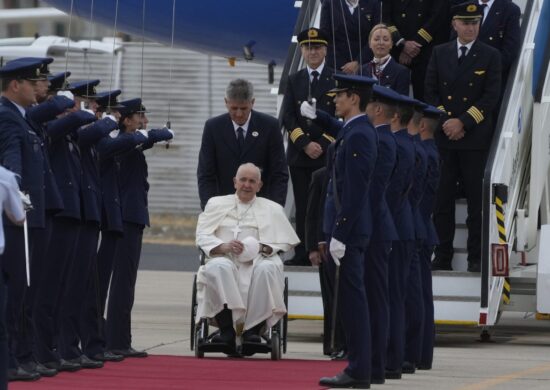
(309, 110)
(322, 247)
(337, 250)
(26, 200)
(313, 150)
(315, 258)
(67, 94)
(404, 59)
(350, 68)
(411, 48)
(83, 108)
(454, 129)
(234, 246)
(111, 117)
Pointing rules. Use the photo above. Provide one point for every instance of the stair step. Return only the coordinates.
(299, 293)
(457, 298)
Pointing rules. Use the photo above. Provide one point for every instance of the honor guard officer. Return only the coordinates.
(56, 101)
(67, 168)
(416, 26)
(135, 216)
(348, 223)
(22, 152)
(308, 142)
(403, 248)
(463, 79)
(93, 324)
(428, 125)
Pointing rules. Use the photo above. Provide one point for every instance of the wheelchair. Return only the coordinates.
(274, 341)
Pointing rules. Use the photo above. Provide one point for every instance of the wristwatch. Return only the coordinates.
(265, 249)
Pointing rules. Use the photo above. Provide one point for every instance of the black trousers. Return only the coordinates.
(301, 177)
(93, 322)
(123, 284)
(466, 166)
(414, 310)
(327, 294)
(428, 336)
(72, 301)
(59, 257)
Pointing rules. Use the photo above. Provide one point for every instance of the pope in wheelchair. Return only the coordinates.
(241, 284)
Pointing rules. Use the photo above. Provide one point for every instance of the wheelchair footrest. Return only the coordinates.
(248, 349)
(218, 347)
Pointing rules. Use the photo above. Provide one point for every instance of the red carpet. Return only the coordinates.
(177, 372)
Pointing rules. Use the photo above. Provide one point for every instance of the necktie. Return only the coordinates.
(315, 80)
(463, 50)
(483, 6)
(240, 138)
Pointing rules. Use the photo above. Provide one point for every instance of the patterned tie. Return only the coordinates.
(463, 50)
(240, 138)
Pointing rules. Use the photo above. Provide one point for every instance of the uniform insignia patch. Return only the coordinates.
(479, 72)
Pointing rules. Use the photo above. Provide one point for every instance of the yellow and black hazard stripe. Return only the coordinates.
(499, 205)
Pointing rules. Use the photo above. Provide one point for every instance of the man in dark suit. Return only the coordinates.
(416, 25)
(347, 23)
(308, 142)
(463, 79)
(348, 223)
(239, 136)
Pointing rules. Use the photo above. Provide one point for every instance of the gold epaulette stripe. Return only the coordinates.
(296, 133)
(331, 139)
(426, 35)
(392, 29)
(442, 108)
(476, 114)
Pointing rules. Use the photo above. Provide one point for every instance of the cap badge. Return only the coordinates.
(471, 8)
(312, 33)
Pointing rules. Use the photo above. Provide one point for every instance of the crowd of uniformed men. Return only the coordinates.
(376, 192)
(78, 157)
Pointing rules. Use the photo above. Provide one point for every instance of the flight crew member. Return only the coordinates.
(402, 249)
(307, 141)
(66, 166)
(463, 79)
(428, 126)
(75, 291)
(22, 152)
(348, 223)
(109, 148)
(135, 216)
(347, 23)
(416, 26)
(239, 136)
(12, 206)
(414, 304)
(383, 67)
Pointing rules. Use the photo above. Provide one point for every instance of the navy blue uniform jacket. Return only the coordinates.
(219, 157)
(419, 184)
(354, 160)
(394, 76)
(427, 203)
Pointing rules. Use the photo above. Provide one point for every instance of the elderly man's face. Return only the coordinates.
(314, 54)
(247, 184)
(466, 30)
(239, 110)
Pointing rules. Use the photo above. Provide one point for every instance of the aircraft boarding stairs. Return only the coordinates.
(516, 183)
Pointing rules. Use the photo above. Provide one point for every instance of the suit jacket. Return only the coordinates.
(400, 185)
(219, 157)
(315, 209)
(419, 185)
(469, 91)
(350, 31)
(351, 171)
(22, 152)
(302, 131)
(394, 76)
(427, 203)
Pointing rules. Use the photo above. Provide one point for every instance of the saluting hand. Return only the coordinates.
(313, 150)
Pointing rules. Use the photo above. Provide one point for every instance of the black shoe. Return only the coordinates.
(343, 380)
(474, 267)
(33, 366)
(422, 366)
(251, 337)
(130, 352)
(441, 265)
(339, 355)
(392, 374)
(107, 356)
(301, 261)
(377, 381)
(63, 365)
(408, 368)
(86, 362)
(20, 374)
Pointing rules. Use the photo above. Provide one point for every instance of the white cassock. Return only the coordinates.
(253, 289)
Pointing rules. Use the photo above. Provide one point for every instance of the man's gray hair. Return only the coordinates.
(249, 165)
(240, 90)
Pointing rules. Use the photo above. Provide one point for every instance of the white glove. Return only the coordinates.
(309, 110)
(169, 141)
(114, 133)
(67, 94)
(143, 132)
(111, 117)
(26, 200)
(337, 250)
(83, 108)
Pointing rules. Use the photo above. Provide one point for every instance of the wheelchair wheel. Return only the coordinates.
(284, 324)
(275, 346)
(193, 312)
(200, 336)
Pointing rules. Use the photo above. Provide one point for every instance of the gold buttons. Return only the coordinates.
(449, 97)
(465, 99)
(403, 15)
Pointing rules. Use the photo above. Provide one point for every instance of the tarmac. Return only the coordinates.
(516, 357)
